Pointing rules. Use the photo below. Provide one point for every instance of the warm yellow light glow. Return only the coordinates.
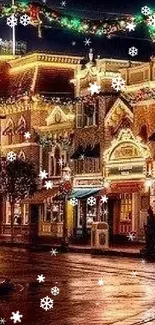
(35, 59)
(149, 182)
(42, 64)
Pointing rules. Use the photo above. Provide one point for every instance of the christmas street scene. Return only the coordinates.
(77, 162)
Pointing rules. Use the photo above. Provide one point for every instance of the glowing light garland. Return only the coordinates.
(41, 15)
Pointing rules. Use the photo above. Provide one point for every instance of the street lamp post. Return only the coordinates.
(65, 189)
(149, 183)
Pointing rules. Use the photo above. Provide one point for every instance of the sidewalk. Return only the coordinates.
(124, 250)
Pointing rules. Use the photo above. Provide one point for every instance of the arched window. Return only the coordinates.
(21, 128)
(9, 130)
(21, 155)
(144, 132)
(57, 161)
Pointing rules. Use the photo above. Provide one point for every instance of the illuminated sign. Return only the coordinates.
(126, 170)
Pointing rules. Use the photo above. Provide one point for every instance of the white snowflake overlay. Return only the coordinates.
(11, 21)
(145, 10)
(94, 88)
(91, 201)
(41, 278)
(131, 26)
(74, 201)
(118, 83)
(16, 317)
(151, 21)
(133, 51)
(55, 291)
(11, 156)
(46, 303)
(25, 20)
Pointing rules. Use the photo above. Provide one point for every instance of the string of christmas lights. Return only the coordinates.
(37, 14)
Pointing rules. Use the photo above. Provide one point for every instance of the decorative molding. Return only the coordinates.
(126, 138)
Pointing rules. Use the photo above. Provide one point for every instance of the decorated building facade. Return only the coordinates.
(113, 155)
(36, 104)
(105, 138)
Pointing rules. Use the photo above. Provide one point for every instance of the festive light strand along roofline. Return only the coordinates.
(41, 14)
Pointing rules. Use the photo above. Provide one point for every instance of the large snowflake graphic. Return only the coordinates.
(74, 201)
(11, 156)
(145, 10)
(16, 317)
(94, 88)
(118, 83)
(41, 278)
(133, 51)
(12, 21)
(25, 20)
(55, 291)
(91, 201)
(151, 20)
(131, 26)
(48, 185)
(104, 199)
(87, 41)
(46, 303)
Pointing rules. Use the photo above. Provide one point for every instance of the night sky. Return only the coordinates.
(60, 41)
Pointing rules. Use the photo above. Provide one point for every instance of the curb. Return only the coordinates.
(74, 249)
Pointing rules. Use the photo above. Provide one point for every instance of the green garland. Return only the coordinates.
(44, 15)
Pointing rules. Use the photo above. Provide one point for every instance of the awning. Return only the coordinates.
(41, 196)
(84, 192)
(88, 152)
(152, 137)
(80, 151)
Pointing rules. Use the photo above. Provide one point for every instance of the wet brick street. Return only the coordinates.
(126, 296)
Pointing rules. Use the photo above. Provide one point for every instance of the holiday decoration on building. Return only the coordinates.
(40, 14)
(142, 94)
(50, 141)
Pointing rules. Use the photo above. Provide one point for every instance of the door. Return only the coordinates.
(111, 203)
(34, 220)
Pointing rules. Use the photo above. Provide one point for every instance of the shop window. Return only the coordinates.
(91, 214)
(17, 214)
(54, 212)
(26, 214)
(126, 207)
(86, 211)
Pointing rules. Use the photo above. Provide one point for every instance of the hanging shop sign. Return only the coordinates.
(126, 187)
(126, 170)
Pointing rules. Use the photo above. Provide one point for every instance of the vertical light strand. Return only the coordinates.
(13, 34)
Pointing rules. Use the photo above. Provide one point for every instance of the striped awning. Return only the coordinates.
(84, 192)
(41, 196)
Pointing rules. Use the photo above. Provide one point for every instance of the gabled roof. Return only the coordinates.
(120, 104)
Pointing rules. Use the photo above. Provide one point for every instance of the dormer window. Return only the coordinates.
(86, 114)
